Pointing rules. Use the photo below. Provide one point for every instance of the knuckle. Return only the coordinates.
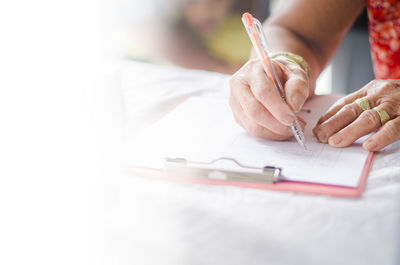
(254, 66)
(350, 109)
(393, 128)
(298, 85)
(234, 81)
(299, 72)
(340, 102)
(371, 116)
(391, 107)
(254, 112)
(236, 86)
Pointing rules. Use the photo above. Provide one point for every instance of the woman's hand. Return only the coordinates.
(345, 121)
(257, 104)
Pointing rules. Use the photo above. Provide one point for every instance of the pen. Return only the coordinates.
(257, 37)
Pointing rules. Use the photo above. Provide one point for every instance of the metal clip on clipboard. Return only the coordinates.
(185, 168)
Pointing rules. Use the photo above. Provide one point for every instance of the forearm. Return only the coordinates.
(312, 29)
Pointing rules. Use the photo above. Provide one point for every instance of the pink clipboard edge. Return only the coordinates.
(286, 186)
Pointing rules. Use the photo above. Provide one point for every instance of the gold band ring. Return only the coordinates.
(383, 115)
(363, 103)
(293, 58)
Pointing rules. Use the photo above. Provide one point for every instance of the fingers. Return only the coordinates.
(268, 95)
(257, 104)
(387, 95)
(378, 91)
(345, 121)
(367, 122)
(253, 127)
(251, 115)
(388, 134)
(340, 104)
(350, 123)
(255, 111)
(337, 121)
(297, 87)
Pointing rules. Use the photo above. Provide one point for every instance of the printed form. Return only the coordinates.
(203, 129)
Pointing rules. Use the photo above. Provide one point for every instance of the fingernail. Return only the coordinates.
(335, 140)
(296, 101)
(369, 145)
(314, 130)
(321, 135)
(288, 119)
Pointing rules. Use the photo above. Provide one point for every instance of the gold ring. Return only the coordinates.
(363, 103)
(383, 115)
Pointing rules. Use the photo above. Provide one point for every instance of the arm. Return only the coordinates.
(309, 28)
(312, 29)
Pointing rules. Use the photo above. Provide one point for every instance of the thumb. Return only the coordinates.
(297, 89)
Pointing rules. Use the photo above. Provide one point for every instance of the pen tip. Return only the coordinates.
(304, 145)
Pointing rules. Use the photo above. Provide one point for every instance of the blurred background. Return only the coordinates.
(196, 34)
(209, 35)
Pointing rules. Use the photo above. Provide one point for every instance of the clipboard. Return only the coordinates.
(267, 178)
(282, 186)
(183, 167)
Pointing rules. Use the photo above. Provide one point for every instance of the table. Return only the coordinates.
(152, 221)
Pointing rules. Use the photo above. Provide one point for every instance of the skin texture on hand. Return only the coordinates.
(345, 121)
(309, 28)
(257, 105)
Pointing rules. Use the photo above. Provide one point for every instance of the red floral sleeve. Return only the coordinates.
(384, 35)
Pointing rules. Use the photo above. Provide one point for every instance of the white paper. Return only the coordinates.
(203, 129)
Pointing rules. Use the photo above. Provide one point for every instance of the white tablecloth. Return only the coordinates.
(159, 222)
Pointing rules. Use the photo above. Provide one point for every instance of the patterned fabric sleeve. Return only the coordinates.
(384, 35)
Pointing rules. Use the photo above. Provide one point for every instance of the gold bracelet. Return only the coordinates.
(293, 58)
